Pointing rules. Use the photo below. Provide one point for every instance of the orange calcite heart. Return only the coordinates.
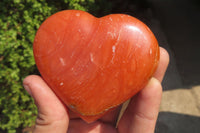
(95, 64)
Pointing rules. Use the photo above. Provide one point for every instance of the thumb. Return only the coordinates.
(52, 114)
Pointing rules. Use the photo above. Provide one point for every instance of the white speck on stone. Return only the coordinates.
(110, 19)
(122, 16)
(62, 61)
(77, 14)
(61, 84)
(113, 48)
(150, 51)
(91, 57)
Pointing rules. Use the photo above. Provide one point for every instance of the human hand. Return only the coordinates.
(139, 117)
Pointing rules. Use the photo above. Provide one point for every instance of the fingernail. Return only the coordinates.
(28, 89)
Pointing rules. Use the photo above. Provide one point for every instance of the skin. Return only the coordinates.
(139, 117)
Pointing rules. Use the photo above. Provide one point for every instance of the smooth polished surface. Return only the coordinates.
(95, 64)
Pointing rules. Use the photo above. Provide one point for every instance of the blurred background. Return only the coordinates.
(175, 23)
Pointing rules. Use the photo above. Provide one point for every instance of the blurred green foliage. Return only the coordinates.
(19, 21)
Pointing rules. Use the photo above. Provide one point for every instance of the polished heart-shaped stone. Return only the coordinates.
(95, 64)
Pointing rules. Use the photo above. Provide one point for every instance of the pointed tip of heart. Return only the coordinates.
(90, 119)
(93, 118)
